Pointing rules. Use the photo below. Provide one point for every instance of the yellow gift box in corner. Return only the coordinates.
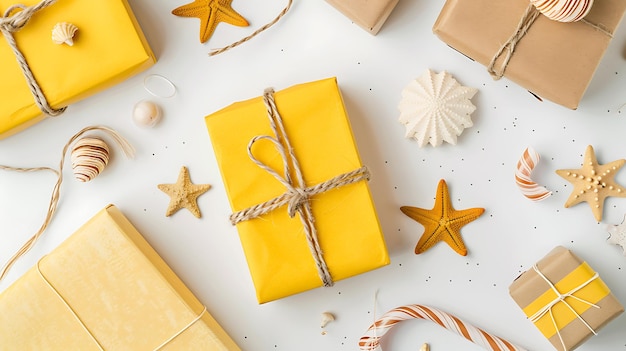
(108, 48)
(105, 288)
(278, 255)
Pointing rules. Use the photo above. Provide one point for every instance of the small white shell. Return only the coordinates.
(436, 108)
(89, 157)
(146, 113)
(63, 33)
(563, 10)
(327, 317)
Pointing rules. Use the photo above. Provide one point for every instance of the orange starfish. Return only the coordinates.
(210, 13)
(443, 222)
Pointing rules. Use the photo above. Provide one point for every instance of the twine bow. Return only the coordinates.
(297, 196)
(547, 309)
(508, 48)
(14, 19)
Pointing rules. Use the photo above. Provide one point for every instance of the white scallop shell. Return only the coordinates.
(436, 108)
(89, 157)
(63, 33)
(563, 10)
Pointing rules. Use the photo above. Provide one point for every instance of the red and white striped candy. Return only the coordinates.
(370, 341)
(525, 166)
(563, 10)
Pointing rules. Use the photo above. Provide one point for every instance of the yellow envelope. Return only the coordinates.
(108, 48)
(274, 244)
(120, 291)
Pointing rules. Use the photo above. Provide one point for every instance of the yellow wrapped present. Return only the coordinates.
(105, 288)
(294, 178)
(565, 299)
(107, 48)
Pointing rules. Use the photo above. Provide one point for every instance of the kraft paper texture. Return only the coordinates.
(555, 61)
(368, 14)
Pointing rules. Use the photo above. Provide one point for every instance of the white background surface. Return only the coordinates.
(315, 41)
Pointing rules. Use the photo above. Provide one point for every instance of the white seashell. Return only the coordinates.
(327, 317)
(436, 108)
(563, 10)
(617, 234)
(146, 113)
(528, 187)
(89, 157)
(63, 33)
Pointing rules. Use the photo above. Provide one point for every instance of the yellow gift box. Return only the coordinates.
(316, 123)
(565, 299)
(105, 288)
(108, 48)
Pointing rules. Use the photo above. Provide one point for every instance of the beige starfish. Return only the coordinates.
(184, 194)
(593, 182)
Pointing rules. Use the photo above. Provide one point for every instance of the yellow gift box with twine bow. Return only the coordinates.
(565, 298)
(295, 180)
(553, 60)
(105, 288)
(109, 47)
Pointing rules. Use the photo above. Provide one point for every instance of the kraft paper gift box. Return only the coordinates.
(105, 288)
(591, 300)
(368, 14)
(553, 60)
(108, 48)
(274, 244)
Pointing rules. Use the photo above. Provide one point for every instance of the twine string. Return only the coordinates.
(255, 33)
(508, 48)
(14, 19)
(561, 297)
(297, 197)
(54, 198)
(82, 324)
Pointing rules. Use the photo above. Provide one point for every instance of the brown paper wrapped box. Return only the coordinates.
(368, 14)
(553, 60)
(581, 286)
(105, 288)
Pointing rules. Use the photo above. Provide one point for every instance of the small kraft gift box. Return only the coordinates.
(553, 60)
(367, 14)
(105, 288)
(299, 191)
(565, 299)
(40, 77)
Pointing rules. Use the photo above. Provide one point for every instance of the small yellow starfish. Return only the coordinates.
(184, 194)
(593, 182)
(210, 13)
(443, 222)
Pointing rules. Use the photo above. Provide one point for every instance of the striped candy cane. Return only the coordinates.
(525, 166)
(370, 341)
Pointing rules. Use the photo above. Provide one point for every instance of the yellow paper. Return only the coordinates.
(275, 247)
(593, 292)
(108, 48)
(120, 288)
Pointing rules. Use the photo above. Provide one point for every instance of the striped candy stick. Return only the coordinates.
(525, 166)
(370, 341)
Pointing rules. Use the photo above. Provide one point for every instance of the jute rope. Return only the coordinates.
(14, 19)
(508, 48)
(258, 31)
(298, 195)
(54, 198)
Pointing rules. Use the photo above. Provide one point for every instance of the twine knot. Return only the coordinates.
(14, 19)
(560, 297)
(297, 196)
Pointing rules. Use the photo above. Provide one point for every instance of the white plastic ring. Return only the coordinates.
(168, 88)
